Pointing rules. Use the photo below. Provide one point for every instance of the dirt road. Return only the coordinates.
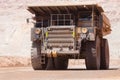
(27, 73)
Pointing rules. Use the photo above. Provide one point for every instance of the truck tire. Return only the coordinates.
(61, 63)
(92, 59)
(104, 55)
(36, 57)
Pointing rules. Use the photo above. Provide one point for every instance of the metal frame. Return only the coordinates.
(64, 19)
(93, 16)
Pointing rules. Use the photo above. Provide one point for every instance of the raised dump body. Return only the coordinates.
(73, 31)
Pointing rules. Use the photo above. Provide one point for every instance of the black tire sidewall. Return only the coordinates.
(36, 56)
(92, 59)
(104, 55)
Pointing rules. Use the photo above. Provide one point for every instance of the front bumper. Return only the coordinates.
(60, 52)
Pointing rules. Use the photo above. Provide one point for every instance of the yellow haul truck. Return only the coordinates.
(69, 31)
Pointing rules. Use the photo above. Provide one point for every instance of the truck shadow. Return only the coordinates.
(82, 69)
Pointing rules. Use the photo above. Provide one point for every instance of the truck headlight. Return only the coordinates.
(37, 30)
(84, 30)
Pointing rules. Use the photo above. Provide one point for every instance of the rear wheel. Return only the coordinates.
(104, 55)
(92, 59)
(61, 62)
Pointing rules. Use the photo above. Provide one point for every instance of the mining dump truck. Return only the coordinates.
(69, 31)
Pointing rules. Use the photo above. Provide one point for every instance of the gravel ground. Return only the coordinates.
(15, 61)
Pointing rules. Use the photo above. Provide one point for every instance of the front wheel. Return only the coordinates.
(36, 57)
(92, 59)
(40, 61)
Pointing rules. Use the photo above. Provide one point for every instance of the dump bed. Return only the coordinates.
(45, 10)
(106, 26)
(62, 7)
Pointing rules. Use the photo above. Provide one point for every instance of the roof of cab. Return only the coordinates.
(62, 7)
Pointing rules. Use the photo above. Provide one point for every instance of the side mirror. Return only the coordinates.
(30, 20)
(27, 20)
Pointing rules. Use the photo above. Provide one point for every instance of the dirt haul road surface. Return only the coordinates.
(27, 73)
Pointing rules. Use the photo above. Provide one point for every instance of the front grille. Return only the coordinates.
(60, 36)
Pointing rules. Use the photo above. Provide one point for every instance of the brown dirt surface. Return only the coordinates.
(16, 61)
(27, 73)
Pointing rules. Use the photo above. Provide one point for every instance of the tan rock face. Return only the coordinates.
(15, 33)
